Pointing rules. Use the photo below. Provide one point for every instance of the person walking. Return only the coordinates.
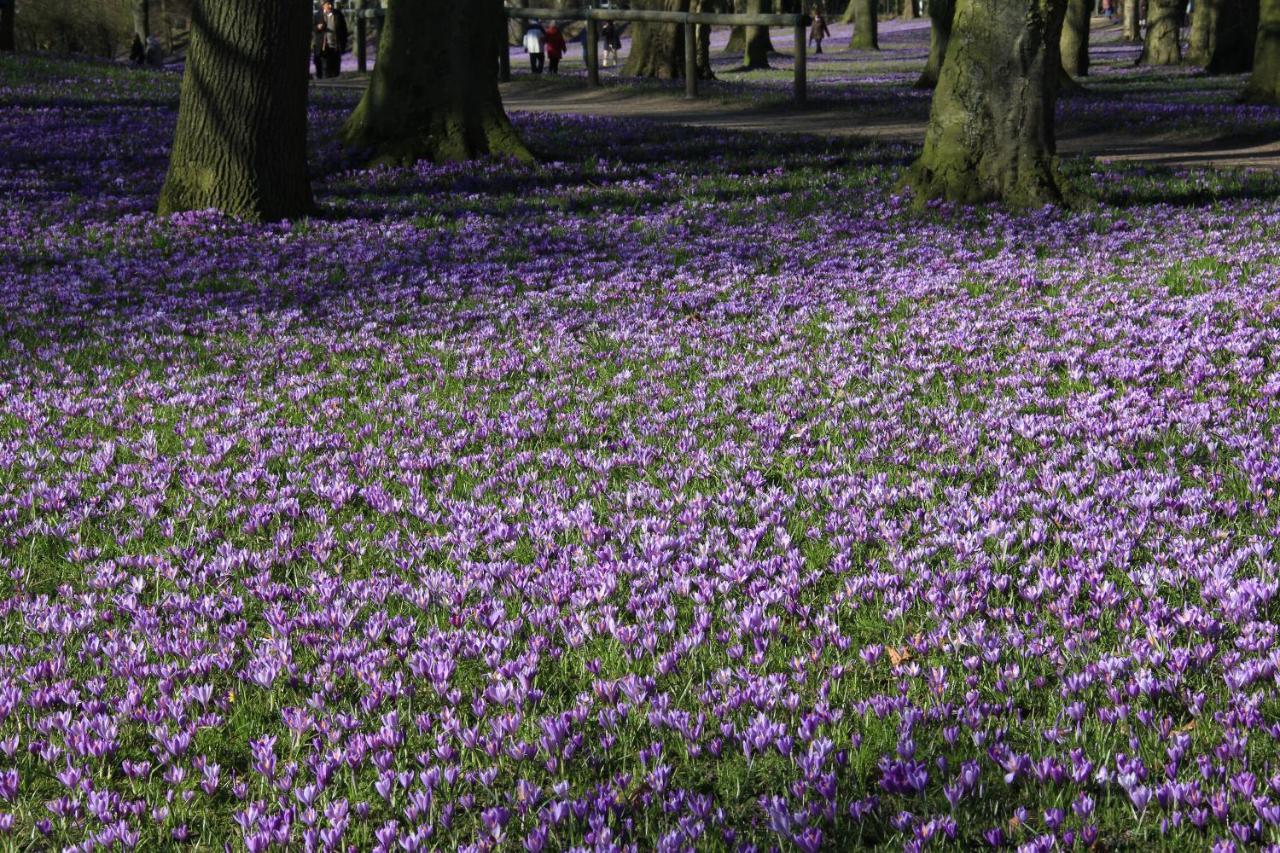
(818, 31)
(329, 41)
(555, 48)
(535, 41)
(612, 43)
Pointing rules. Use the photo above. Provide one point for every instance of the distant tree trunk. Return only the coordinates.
(1075, 38)
(910, 9)
(7, 40)
(866, 34)
(441, 104)
(941, 16)
(1264, 83)
(1163, 45)
(1131, 15)
(657, 50)
(990, 133)
(241, 141)
(1223, 33)
(141, 19)
(758, 45)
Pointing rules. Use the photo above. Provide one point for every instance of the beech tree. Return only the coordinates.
(241, 140)
(1163, 46)
(433, 94)
(1075, 37)
(866, 26)
(941, 15)
(657, 50)
(990, 132)
(1264, 83)
(1223, 33)
(141, 19)
(754, 43)
(1130, 17)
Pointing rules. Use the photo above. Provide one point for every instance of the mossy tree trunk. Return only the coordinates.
(990, 133)
(241, 141)
(866, 35)
(657, 50)
(1163, 45)
(440, 104)
(1264, 83)
(1130, 15)
(1223, 33)
(1075, 37)
(757, 44)
(910, 9)
(941, 16)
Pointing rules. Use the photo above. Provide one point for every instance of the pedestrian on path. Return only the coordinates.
(612, 43)
(329, 41)
(818, 31)
(555, 48)
(535, 42)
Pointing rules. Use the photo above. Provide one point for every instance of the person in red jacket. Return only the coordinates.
(555, 48)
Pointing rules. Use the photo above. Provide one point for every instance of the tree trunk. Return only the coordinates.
(910, 9)
(241, 141)
(865, 25)
(1264, 83)
(758, 44)
(1131, 16)
(1223, 33)
(657, 50)
(1162, 46)
(941, 16)
(990, 133)
(440, 104)
(7, 40)
(1075, 37)
(141, 19)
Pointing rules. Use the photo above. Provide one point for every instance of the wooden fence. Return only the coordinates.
(364, 11)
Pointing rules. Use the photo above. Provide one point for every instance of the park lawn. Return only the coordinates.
(685, 489)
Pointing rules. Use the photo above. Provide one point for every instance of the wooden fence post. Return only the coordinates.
(593, 52)
(690, 59)
(362, 38)
(801, 84)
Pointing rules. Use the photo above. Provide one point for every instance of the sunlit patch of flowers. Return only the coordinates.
(688, 490)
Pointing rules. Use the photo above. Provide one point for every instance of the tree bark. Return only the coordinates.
(941, 16)
(1264, 83)
(1162, 45)
(865, 25)
(910, 9)
(241, 141)
(657, 50)
(142, 19)
(440, 104)
(757, 43)
(1130, 14)
(7, 30)
(990, 133)
(1223, 33)
(1075, 37)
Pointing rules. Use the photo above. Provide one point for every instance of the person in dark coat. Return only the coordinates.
(137, 51)
(612, 43)
(818, 31)
(329, 41)
(555, 48)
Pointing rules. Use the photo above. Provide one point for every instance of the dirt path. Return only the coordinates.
(827, 119)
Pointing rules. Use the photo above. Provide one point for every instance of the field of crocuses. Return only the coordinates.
(688, 490)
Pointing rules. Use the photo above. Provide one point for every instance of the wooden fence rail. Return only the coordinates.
(364, 11)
